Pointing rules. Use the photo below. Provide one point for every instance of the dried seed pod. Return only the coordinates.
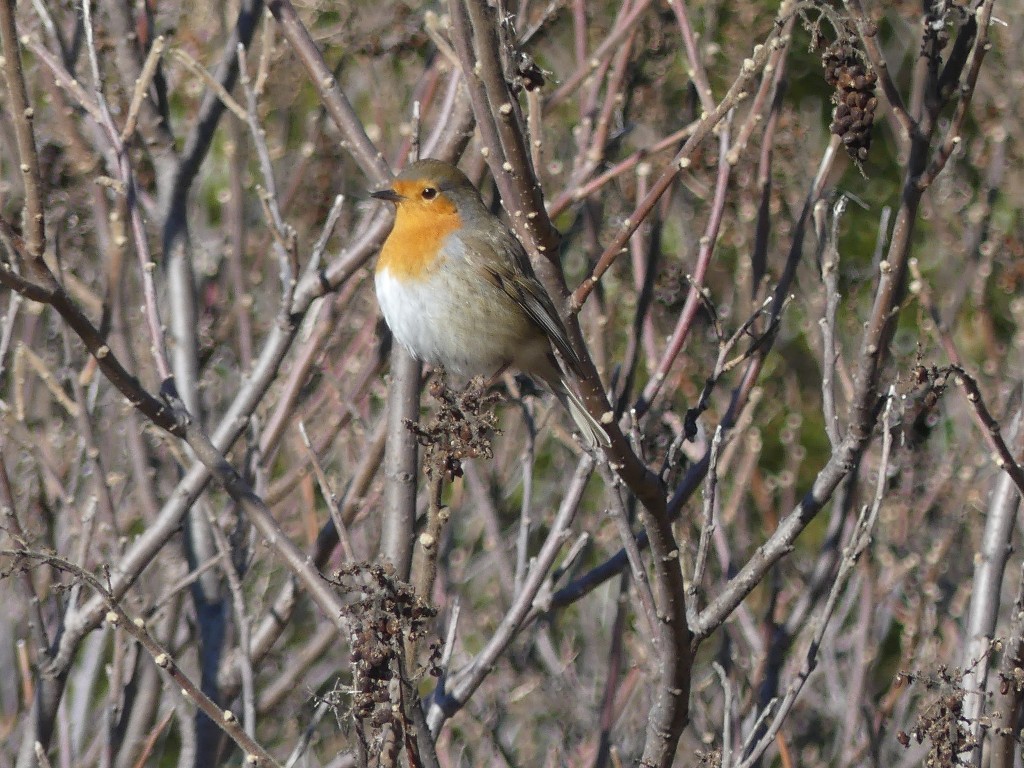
(854, 97)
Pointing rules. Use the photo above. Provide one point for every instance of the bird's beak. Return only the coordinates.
(389, 195)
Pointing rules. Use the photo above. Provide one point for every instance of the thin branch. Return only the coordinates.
(727, 715)
(859, 541)
(127, 178)
(1003, 456)
(50, 292)
(708, 523)
(611, 43)
(977, 31)
(697, 71)
(446, 703)
(694, 296)
(142, 85)
(987, 585)
(830, 277)
(136, 628)
(284, 234)
(736, 93)
(640, 581)
(22, 114)
(369, 158)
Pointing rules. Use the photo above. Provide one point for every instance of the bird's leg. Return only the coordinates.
(496, 375)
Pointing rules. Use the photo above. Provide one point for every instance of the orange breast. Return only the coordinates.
(411, 250)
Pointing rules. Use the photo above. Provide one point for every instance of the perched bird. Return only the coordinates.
(457, 289)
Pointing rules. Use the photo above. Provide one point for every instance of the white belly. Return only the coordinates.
(439, 330)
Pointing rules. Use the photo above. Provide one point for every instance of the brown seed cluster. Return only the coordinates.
(461, 429)
(854, 97)
(384, 614)
(941, 722)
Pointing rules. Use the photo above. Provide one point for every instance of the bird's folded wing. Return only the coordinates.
(528, 293)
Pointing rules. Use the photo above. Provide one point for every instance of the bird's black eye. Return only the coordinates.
(429, 193)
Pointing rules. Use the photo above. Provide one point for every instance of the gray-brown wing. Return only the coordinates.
(527, 292)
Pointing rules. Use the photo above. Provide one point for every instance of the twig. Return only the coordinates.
(976, 30)
(616, 658)
(261, 517)
(243, 625)
(50, 292)
(695, 295)
(236, 224)
(592, 135)
(723, 678)
(697, 72)
(869, 36)
(640, 581)
(284, 234)
(338, 107)
(445, 703)
(37, 364)
(65, 80)
(211, 82)
(142, 86)
(477, 45)
(708, 525)
(302, 744)
(830, 277)
(859, 541)
(12, 526)
(767, 94)
(116, 615)
(1003, 456)
(736, 93)
(453, 127)
(577, 193)
(146, 263)
(329, 495)
(644, 247)
(526, 508)
(449, 638)
(494, 542)
(624, 26)
(7, 326)
(22, 114)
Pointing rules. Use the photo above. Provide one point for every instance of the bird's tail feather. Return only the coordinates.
(589, 427)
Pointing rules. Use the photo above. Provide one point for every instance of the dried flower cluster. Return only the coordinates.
(941, 722)
(385, 616)
(460, 429)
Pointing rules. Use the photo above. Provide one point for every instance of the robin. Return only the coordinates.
(457, 289)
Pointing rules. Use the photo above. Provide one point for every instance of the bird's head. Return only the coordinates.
(430, 189)
(433, 200)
